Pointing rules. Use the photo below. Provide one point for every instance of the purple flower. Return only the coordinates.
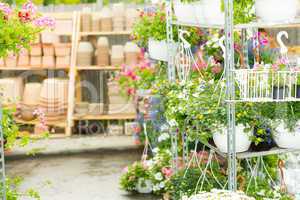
(5, 9)
(44, 22)
(29, 7)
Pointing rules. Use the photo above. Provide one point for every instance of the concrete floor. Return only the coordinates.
(92, 176)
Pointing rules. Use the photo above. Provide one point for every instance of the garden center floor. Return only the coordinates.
(89, 176)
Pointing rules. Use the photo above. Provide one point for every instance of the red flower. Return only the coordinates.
(167, 172)
(216, 69)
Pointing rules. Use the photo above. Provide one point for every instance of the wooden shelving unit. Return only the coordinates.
(72, 71)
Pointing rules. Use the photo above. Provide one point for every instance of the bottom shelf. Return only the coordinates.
(252, 154)
(121, 116)
(59, 124)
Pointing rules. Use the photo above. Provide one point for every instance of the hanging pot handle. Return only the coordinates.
(186, 44)
(283, 48)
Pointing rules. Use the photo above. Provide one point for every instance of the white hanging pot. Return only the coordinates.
(185, 12)
(158, 50)
(212, 12)
(287, 139)
(144, 186)
(242, 142)
(271, 11)
(199, 12)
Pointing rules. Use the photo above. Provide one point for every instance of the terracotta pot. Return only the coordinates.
(36, 50)
(62, 49)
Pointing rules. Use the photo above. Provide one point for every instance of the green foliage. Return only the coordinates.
(9, 128)
(13, 194)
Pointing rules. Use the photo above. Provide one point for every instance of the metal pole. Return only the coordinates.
(171, 68)
(230, 94)
(2, 160)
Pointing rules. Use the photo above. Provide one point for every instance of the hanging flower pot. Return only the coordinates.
(242, 142)
(158, 50)
(297, 91)
(212, 12)
(287, 139)
(185, 12)
(144, 186)
(266, 137)
(271, 11)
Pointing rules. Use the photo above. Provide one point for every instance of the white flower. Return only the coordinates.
(158, 176)
(163, 137)
(149, 163)
(155, 150)
(156, 187)
(162, 185)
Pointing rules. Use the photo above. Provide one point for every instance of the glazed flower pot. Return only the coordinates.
(212, 12)
(158, 50)
(286, 139)
(272, 11)
(280, 92)
(268, 141)
(185, 12)
(144, 186)
(243, 141)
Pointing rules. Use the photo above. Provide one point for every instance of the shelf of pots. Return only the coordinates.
(210, 14)
(104, 33)
(96, 67)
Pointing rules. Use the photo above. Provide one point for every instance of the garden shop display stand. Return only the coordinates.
(232, 76)
(73, 72)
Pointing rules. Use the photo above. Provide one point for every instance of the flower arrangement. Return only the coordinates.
(140, 76)
(152, 24)
(20, 26)
(219, 195)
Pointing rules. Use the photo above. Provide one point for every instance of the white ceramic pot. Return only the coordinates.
(271, 11)
(287, 139)
(199, 12)
(144, 186)
(158, 50)
(242, 142)
(212, 12)
(185, 12)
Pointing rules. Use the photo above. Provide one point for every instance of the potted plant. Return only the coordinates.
(287, 125)
(150, 31)
(279, 80)
(272, 11)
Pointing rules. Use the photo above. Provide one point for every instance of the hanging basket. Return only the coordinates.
(158, 50)
(287, 139)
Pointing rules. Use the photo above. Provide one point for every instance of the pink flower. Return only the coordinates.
(29, 7)
(275, 67)
(5, 9)
(167, 171)
(130, 91)
(44, 22)
(125, 170)
(216, 69)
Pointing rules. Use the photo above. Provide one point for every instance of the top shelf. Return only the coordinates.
(291, 24)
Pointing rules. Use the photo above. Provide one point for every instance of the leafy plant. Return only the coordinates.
(19, 27)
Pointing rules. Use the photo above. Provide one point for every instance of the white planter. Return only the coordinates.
(144, 186)
(271, 11)
(242, 142)
(158, 50)
(185, 12)
(199, 13)
(286, 139)
(212, 12)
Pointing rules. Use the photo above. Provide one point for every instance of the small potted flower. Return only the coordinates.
(279, 80)
(296, 86)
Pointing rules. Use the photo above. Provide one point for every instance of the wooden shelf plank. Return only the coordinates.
(60, 124)
(95, 67)
(29, 68)
(105, 33)
(105, 117)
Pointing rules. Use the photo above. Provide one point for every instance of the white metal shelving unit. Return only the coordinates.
(231, 78)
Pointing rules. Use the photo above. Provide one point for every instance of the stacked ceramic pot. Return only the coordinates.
(96, 26)
(30, 101)
(131, 17)
(86, 21)
(131, 51)
(11, 60)
(54, 98)
(118, 12)
(85, 54)
(63, 54)
(106, 20)
(11, 90)
(102, 51)
(118, 103)
(36, 55)
(24, 59)
(117, 55)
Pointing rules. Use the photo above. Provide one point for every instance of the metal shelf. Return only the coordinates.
(102, 68)
(252, 154)
(255, 24)
(100, 33)
(105, 117)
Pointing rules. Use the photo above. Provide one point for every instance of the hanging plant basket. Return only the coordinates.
(158, 50)
(287, 139)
